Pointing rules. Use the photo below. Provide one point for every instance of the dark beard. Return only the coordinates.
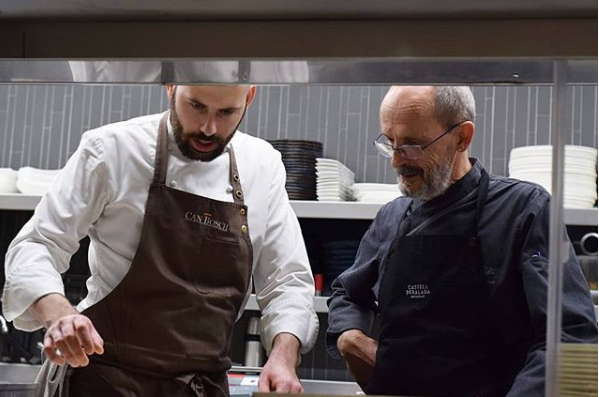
(182, 138)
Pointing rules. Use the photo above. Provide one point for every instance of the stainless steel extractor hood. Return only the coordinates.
(353, 71)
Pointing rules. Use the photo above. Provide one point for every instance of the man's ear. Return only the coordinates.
(466, 134)
(170, 91)
(250, 96)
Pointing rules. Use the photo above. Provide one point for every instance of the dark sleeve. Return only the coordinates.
(578, 316)
(352, 304)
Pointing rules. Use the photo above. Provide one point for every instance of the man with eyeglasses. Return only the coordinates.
(456, 270)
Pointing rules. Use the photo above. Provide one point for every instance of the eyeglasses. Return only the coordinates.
(410, 152)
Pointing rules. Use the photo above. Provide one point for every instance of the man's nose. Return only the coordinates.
(209, 125)
(396, 159)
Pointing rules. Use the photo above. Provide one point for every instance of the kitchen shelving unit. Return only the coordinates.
(313, 210)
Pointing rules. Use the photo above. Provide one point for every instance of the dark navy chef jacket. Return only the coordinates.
(514, 235)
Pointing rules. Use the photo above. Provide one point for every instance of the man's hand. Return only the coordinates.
(359, 352)
(278, 374)
(70, 337)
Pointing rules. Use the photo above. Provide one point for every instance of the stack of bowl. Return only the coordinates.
(337, 256)
(376, 193)
(534, 164)
(35, 181)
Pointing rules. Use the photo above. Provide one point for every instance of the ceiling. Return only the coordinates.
(181, 10)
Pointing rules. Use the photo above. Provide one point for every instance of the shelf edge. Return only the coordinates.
(316, 209)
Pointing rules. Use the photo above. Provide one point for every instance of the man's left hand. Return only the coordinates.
(278, 374)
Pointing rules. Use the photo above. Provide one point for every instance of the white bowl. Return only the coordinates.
(364, 187)
(8, 180)
(547, 150)
(37, 175)
(32, 188)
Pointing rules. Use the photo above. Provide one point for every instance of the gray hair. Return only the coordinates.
(453, 104)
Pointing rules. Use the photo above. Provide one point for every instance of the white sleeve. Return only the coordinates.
(283, 278)
(44, 246)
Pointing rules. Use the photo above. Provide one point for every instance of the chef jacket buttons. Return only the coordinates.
(174, 183)
(472, 241)
(236, 177)
(244, 229)
(238, 193)
(242, 211)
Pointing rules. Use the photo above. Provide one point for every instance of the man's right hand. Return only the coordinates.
(359, 352)
(70, 337)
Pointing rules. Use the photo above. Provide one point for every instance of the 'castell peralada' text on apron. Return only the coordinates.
(417, 291)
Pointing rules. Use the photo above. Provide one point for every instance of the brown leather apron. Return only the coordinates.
(167, 326)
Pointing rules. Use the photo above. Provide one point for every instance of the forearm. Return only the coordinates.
(353, 302)
(70, 337)
(285, 350)
(348, 310)
(279, 373)
(50, 308)
(359, 352)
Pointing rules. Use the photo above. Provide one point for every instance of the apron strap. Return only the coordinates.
(234, 178)
(161, 161)
(481, 200)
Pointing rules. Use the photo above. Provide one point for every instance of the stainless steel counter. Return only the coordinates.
(25, 374)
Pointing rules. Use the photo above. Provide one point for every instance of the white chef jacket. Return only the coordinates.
(102, 192)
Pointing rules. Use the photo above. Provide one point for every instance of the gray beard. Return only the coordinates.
(436, 183)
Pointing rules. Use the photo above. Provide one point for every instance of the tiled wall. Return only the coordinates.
(40, 125)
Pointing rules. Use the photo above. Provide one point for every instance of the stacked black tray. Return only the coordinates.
(338, 256)
(299, 158)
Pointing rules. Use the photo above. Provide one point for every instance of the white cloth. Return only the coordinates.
(102, 192)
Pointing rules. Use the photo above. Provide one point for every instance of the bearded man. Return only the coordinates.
(183, 211)
(456, 270)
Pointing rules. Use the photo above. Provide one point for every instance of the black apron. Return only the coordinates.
(438, 336)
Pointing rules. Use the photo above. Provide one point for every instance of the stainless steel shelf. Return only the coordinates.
(582, 217)
(320, 304)
(17, 201)
(357, 210)
(315, 209)
(335, 209)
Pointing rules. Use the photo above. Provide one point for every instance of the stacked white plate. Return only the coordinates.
(379, 193)
(35, 181)
(534, 164)
(333, 181)
(578, 370)
(8, 180)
